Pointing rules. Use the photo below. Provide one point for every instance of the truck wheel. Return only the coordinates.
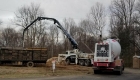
(30, 64)
(87, 62)
(67, 61)
(97, 71)
(123, 68)
(82, 62)
(119, 72)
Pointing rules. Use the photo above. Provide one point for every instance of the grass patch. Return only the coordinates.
(45, 71)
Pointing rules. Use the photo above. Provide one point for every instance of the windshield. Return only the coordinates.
(102, 50)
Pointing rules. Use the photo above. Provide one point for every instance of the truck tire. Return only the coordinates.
(30, 64)
(118, 72)
(123, 68)
(68, 61)
(97, 71)
(82, 62)
(87, 63)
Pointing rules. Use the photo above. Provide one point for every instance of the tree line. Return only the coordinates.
(124, 17)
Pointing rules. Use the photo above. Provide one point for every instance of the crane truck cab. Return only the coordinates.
(69, 56)
(77, 57)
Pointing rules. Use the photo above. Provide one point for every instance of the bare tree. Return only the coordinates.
(93, 26)
(96, 19)
(24, 16)
(11, 38)
(69, 24)
(137, 26)
(54, 34)
(121, 23)
(86, 25)
(122, 14)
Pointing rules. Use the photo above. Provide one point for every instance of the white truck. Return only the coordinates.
(77, 57)
(106, 57)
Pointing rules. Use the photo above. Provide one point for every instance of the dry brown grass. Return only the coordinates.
(43, 71)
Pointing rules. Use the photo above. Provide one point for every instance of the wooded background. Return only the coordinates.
(124, 17)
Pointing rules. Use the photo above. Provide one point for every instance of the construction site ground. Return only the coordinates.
(43, 70)
(62, 72)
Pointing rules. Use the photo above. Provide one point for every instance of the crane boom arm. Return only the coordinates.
(73, 42)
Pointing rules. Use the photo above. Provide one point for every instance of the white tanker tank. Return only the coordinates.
(115, 47)
(107, 50)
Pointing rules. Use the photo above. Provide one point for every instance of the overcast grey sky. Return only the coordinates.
(59, 9)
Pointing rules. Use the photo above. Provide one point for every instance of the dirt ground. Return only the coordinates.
(43, 70)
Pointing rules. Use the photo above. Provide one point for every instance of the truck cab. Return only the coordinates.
(77, 57)
(69, 56)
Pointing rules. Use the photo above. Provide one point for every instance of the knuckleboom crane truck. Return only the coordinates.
(107, 58)
(71, 56)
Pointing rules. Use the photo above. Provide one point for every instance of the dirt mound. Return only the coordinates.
(51, 59)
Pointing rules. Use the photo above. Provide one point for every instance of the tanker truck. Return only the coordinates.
(106, 57)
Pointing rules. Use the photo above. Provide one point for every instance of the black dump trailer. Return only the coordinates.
(23, 56)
